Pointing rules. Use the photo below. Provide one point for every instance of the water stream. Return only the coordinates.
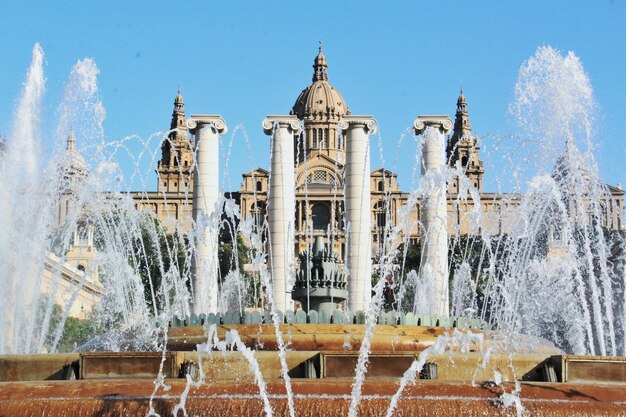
(546, 261)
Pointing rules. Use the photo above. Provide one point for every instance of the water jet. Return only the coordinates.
(319, 335)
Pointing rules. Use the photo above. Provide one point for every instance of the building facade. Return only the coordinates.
(171, 202)
(319, 159)
(73, 279)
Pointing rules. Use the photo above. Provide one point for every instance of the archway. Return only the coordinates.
(320, 216)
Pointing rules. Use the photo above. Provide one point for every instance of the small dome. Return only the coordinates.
(461, 99)
(72, 162)
(320, 59)
(571, 166)
(320, 101)
(179, 98)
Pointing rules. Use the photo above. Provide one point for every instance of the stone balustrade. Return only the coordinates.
(336, 317)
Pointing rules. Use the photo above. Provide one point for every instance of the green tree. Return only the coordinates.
(151, 251)
(412, 258)
(232, 260)
(75, 332)
(227, 258)
(157, 253)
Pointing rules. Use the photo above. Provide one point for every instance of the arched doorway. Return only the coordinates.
(321, 216)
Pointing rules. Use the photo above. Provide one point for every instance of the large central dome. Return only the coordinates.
(320, 101)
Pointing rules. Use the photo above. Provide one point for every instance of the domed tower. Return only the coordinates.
(175, 167)
(73, 172)
(319, 159)
(321, 107)
(463, 149)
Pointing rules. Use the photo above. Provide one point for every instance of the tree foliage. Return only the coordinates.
(157, 253)
(229, 258)
(75, 333)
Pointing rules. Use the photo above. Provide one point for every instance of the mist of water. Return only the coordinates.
(554, 268)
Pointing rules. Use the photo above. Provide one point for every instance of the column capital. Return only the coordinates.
(291, 122)
(367, 122)
(196, 121)
(441, 122)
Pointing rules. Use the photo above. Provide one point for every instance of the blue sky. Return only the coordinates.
(245, 60)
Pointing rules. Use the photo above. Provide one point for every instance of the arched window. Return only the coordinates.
(257, 210)
(259, 186)
(321, 216)
(321, 177)
(322, 138)
(380, 211)
(317, 137)
(381, 186)
(339, 214)
(83, 233)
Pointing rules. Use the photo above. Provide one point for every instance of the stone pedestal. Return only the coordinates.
(204, 270)
(357, 130)
(320, 282)
(435, 242)
(281, 207)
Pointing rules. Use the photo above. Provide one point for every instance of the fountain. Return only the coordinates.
(320, 282)
(504, 320)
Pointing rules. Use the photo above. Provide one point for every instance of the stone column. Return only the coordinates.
(357, 130)
(204, 269)
(300, 214)
(281, 207)
(435, 242)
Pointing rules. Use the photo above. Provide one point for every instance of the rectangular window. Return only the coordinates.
(314, 142)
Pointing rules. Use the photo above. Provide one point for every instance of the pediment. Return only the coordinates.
(257, 172)
(615, 191)
(320, 160)
(380, 172)
(322, 169)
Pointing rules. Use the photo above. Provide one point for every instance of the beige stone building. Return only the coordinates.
(72, 279)
(70, 283)
(319, 166)
(319, 171)
(171, 202)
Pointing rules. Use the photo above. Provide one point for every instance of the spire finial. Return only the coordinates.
(178, 115)
(178, 102)
(71, 141)
(461, 102)
(319, 73)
